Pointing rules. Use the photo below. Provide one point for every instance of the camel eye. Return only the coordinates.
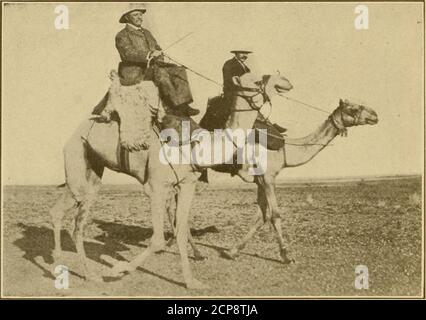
(353, 110)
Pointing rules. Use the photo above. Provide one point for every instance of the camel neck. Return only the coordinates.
(301, 150)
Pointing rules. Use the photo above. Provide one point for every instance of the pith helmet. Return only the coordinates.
(123, 18)
(241, 51)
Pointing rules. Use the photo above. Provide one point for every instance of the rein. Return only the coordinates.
(156, 128)
(338, 123)
(261, 90)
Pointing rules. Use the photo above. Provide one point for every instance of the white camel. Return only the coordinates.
(297, 152)
(94, 146)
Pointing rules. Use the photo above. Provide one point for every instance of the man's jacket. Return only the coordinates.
(133, 46)
(232, 68)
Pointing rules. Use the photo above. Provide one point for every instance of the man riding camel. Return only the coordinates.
(220, 107)
(142, 60)
(237, 66)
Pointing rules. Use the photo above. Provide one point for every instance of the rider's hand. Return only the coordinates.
(156, 53)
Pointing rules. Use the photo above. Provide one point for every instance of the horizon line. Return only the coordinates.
(282, 180)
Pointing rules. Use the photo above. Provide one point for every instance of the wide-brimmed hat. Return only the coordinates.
(241, 51)
(123, 18)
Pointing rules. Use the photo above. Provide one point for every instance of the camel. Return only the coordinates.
(296, 152)
(93, 147)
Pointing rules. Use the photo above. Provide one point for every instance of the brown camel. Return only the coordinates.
(94, 146)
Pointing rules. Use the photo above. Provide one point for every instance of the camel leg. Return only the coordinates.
(94, 183)
(171, 210)
(186, 194)
(260, 221)
(171, 213)
(273, 214)
(158, 196)
(84, 173)
(65, 203)
(78, 236)
(268, 206)
(276, 221)
(197, 254)
(158, 210)
(234, 251)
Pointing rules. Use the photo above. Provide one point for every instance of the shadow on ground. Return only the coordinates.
(115, 237)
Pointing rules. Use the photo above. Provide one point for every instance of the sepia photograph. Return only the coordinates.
(212, 150)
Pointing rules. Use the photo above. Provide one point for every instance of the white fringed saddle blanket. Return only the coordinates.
(136, 107)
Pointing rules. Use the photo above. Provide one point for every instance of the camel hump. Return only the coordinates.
(135, 106)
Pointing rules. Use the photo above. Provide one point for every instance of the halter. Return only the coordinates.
(261, 90)
(338, 123)
(358, 114)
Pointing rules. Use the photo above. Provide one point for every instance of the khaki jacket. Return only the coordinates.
(232, 68)
(133, 46)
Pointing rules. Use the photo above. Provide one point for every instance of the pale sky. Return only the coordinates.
(53, 78)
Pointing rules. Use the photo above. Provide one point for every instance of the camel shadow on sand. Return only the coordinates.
(38, 242)
(222, 253)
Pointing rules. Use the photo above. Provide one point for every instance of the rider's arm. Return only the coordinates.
(149, 34)
(228, 73)
(128, 51)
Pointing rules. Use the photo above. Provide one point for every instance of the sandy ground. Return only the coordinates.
(330, 229)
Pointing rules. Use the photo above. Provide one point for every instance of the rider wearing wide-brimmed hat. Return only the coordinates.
(237, 66)
(234, 67)
(142, 59)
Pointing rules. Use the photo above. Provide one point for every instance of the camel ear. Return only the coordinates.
(340, 102)
(236, 80)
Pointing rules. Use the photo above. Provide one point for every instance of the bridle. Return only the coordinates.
(336, 119)
(260, 90)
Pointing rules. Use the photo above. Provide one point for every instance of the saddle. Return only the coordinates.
(219, 110)
(133, 108)
(171, 121)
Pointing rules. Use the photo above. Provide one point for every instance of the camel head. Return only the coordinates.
(276, 84)
(269, 84)
(350, 114)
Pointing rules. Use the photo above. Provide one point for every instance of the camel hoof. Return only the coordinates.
(230, 254)
(201, 186)
(195, 284)
(171, 242)
(94, 277)
(285, 259)
(199, 257)
(120, 268)
(157, 248)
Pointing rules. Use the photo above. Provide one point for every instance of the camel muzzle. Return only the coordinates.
(281, 89)
(373, 119)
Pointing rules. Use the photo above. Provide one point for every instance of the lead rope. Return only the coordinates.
(221, 86)
(90, 129)
(154, 128)
(193, 71)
